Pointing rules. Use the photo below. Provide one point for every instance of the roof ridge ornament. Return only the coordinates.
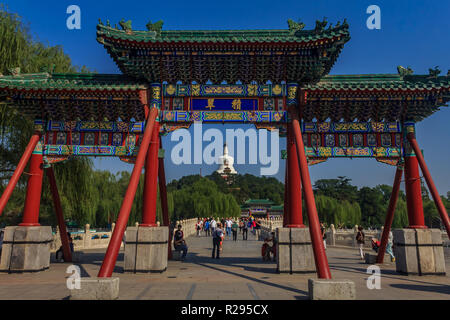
(433, 73)
(156, 27)
(404, 71)
(49, 69)
(126, 26)
(320, 25)
(14, 71)
(295, 26)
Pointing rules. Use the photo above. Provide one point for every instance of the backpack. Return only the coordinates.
(219, 233)
(359, 236)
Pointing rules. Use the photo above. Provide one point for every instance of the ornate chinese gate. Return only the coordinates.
(270, 78)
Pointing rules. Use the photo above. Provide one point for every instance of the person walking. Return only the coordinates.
(324, 235)
(389, 246)
(213, 225)
(257, 226)
(206, 227)
(245, 230)
(217, 237)
(199, 226)
(240, 225)
(360, 237)
(234, 229)
(229, 224)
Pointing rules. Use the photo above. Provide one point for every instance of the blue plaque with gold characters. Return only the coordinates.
(225, 104)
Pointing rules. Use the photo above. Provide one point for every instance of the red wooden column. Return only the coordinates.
(34, 189)
(412, 183)
(437, 199)
(19, 170)
(286, 201)
(112, 252)
(390, 213)
(59, 215)
(320, 258)
(151, 181)
(294, 186)
(163, 197)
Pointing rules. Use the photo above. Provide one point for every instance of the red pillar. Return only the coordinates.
(390, 213)
(413, 193)
(18, 172)
(286, 201)
(320, 258)
(112, 252)
(426, 173)
(151, 181)
(59, 215)
(294, 186)
(163, 197)
(34, 188)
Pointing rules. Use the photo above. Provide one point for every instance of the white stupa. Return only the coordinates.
(226, 163)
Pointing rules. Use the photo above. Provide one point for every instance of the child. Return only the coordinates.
(375, 244)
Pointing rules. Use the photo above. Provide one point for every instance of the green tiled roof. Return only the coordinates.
(380, 97)
(277, 208)
(222, 36)
(72, 81)
(259, 201)
(380, 82)
(51, 96)
(291, 55)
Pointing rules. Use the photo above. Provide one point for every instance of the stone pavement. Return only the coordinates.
(239, 274)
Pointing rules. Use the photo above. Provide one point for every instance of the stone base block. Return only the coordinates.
(320, 289)
(370, 258)
(77, 256)
(146, 249)
(26, 249)
(294, 251)
(419, 252)
(96, 289)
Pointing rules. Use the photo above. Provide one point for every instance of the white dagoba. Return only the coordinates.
(226, 163)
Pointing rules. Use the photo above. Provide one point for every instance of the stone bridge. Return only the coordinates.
(240, 274)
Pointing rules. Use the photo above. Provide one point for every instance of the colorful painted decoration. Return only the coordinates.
(358, 140)
(329, 140)
(371, 140)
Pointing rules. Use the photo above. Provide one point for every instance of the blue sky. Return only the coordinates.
(413, 33)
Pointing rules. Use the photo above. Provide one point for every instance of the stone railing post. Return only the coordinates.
(87, 236)
(56, 239)
(355, 231)
(332, 237)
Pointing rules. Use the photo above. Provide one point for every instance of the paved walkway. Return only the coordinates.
(239, 274)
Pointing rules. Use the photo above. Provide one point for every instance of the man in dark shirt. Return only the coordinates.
(245, 230)
(217, 238)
